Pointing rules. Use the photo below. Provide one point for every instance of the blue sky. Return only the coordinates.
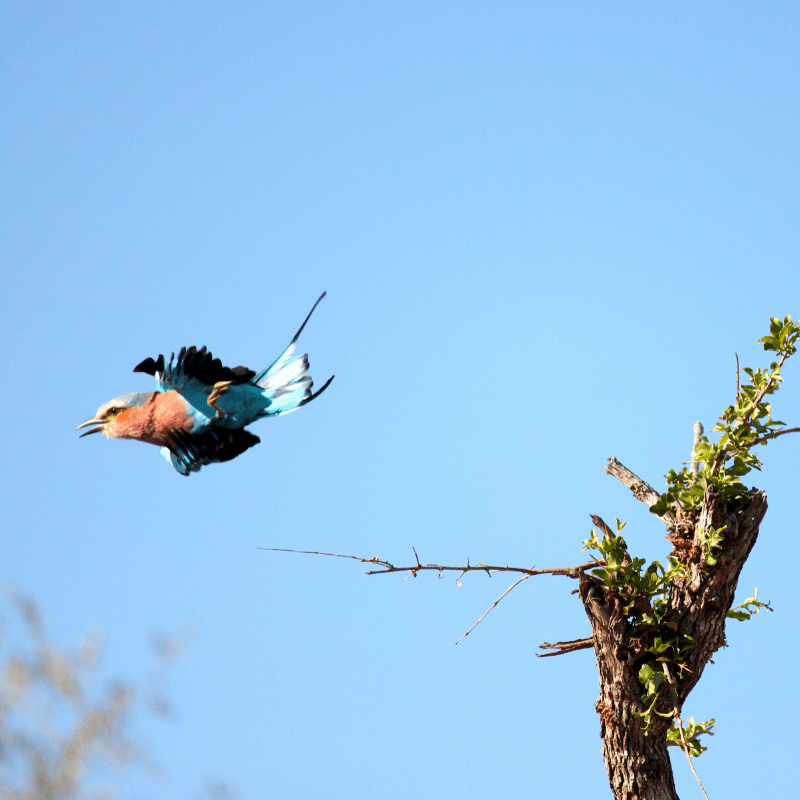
(544, 229)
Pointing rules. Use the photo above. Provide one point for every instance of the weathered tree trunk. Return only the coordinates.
(638, 765)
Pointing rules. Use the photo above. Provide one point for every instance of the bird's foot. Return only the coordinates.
(220, 388)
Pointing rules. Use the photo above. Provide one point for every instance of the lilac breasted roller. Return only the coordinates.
(199, 410)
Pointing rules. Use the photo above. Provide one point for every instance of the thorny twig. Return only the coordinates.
(570, 572)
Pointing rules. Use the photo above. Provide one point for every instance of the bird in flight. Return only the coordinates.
(199, 410)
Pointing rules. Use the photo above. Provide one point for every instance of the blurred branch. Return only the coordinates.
(62, 727)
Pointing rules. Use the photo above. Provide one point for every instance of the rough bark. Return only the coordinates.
(699, 603)
(638, 765)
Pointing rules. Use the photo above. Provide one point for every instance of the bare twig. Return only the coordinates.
(738, 390)
(641, 489)
(698, 432)
(565, 647)
(516, 583)
(677, 715)
(772, 436)
(373, 560)
(570, 572)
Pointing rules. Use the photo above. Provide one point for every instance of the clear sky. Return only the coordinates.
(544, 229)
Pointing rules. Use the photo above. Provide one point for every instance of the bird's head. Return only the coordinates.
(112, 416)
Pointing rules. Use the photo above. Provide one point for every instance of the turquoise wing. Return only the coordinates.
(194, 374)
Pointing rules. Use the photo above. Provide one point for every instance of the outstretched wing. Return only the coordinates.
(192, 364)
(190, 452)
(196, 375)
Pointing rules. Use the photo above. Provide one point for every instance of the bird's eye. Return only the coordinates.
(113, 411)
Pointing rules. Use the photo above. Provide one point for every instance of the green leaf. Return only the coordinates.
(661, 506)
(751, 606)
(742, 616)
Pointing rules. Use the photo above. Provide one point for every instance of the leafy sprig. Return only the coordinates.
(691, 730)
(710, 540)
(751, 606)
(743, 425)
(624, 575)
(653, 676)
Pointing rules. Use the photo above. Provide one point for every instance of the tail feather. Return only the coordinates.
(318, 392)
(289, 389)
(286, 382)
(286, 355)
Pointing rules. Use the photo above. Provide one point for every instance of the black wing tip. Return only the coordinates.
(212, 447)
(150, 366)
(199, 364)
(202, 365)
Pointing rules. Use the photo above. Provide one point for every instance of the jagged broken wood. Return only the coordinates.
(642, 490)
(565, 647)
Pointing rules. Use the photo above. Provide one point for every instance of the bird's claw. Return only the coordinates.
(220, 388)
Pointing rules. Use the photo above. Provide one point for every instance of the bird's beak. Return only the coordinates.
(93, 421)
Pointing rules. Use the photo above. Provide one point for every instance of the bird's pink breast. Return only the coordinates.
(157, 420)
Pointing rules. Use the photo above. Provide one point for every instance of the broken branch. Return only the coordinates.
(642, 490)
(565, 647)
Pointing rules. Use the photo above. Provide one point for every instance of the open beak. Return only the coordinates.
(94, 421)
